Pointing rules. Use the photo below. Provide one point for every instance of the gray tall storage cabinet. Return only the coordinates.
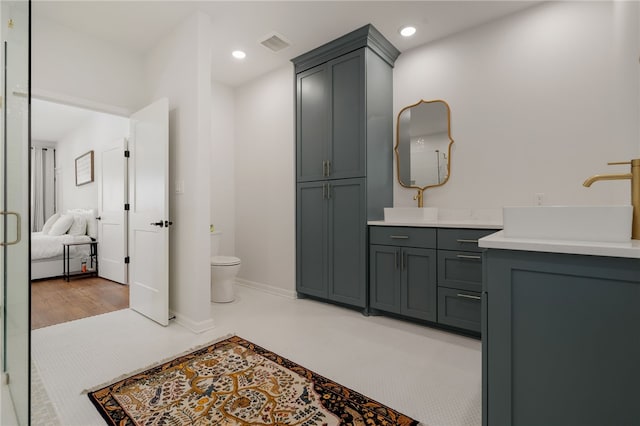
(344, 171)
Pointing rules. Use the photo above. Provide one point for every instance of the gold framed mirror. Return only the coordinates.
(423, 146)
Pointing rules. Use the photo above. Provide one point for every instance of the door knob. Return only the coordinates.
(160, 224)
(167, 223)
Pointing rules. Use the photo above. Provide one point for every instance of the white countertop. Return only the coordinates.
(442, 223)
(497, 240)
(452, 218)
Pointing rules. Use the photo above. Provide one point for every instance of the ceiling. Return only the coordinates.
(139, 25)
(50, 122)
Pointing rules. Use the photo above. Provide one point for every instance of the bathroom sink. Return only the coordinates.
(579, 223)
(410, 214)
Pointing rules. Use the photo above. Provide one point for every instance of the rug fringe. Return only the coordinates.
(155, 364)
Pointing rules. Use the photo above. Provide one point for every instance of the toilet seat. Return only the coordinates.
(224, 261)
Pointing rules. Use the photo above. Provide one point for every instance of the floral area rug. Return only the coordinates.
(235, 382)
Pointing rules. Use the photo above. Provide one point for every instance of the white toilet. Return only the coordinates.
(223, 272)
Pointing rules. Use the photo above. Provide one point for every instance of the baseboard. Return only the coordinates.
(189, 324)
(289, 294)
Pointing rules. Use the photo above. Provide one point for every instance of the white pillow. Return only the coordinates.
(49, 223)
(62, 225)
(90, 216)
(79, 225)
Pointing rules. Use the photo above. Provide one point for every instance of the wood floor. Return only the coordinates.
(56, 301)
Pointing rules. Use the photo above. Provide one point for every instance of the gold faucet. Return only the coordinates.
(420, 197)
(634, 176)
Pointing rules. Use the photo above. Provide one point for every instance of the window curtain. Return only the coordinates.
(43, 196)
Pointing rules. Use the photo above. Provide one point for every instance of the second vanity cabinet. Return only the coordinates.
(561, 344)
(431, 274)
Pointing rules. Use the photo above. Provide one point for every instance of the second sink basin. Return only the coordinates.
(571, 223)
(410, 214)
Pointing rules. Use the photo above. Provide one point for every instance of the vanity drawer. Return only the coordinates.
(403, 236)
(461, 239)
(459, 308)
(460, 269)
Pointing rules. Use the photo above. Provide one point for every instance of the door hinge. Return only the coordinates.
(127, 153)
(127, 259)
(126, 206)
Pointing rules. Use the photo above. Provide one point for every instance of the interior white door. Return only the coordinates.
(149, 212)
(112, 226)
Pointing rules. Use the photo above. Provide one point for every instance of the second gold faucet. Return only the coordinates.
(634, 176)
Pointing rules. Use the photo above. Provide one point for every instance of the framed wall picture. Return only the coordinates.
(84, 169)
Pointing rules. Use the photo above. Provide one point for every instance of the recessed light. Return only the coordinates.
(239, 54)
(407, 31)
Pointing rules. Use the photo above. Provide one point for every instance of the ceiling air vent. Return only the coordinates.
(275, 42)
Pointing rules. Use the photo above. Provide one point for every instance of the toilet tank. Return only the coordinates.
(216, 237)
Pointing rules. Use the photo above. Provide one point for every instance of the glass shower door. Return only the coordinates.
(14, 209)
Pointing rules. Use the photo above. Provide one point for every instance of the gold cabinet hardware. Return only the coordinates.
(18, 228)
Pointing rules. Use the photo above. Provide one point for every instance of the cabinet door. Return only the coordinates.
(311, 231)
(312, 123)
(384, 278)
(419, 286)
(347, 116)
(347, 241)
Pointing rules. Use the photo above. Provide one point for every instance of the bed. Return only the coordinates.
(76, 225)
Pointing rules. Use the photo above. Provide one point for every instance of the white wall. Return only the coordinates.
(539, 101)
(179, 68)
(75, 68)
(93, 134)
(223, 188)
(265, 181)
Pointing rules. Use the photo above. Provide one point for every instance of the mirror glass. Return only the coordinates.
(423, 144)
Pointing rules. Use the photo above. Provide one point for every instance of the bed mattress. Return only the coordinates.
(48, 246)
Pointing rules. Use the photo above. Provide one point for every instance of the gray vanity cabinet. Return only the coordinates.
(402, 278)
(561, 344)
(344, 157)
(431, 274)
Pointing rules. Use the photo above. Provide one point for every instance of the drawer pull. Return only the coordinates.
(399, 237)
(468, 296)
(468, 241)
(467, 256)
